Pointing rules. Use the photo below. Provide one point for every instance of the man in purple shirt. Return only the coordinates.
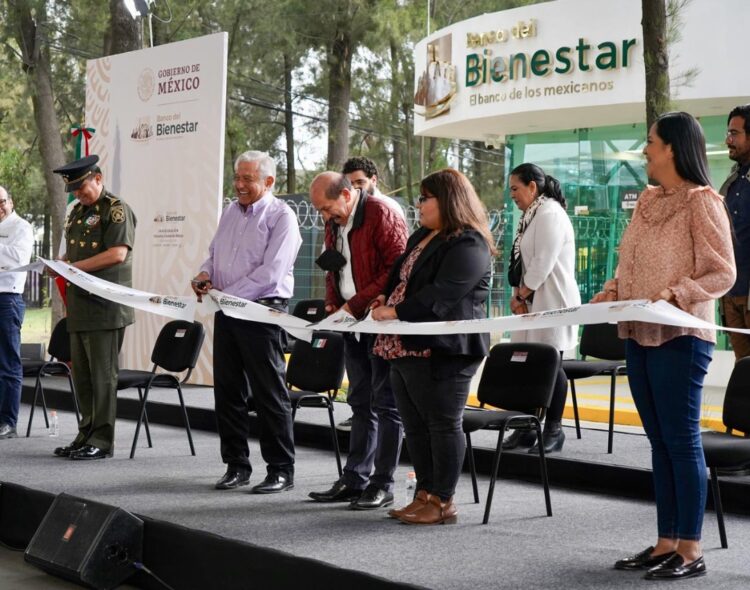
(252, 256)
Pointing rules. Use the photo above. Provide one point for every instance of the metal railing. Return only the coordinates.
(596, 242)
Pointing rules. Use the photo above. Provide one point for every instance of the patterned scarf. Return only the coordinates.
(523, 223)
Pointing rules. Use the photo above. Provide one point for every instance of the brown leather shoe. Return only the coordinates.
(433, 512)
(419, 500)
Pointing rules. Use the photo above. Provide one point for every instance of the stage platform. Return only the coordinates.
(600, 502)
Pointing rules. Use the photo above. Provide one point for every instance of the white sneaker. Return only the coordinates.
(345, 426)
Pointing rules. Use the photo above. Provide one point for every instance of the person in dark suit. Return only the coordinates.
(443, 275)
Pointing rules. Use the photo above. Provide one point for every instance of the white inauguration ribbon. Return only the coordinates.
(242, 309)
(183, 308)
(641, 310)
(178, 308)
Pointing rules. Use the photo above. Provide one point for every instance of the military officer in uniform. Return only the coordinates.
(99, 237)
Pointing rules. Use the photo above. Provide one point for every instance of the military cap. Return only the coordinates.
(76, 172)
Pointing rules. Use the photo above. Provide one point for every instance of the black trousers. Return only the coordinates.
(557, 404)
(431, 395)
(252, 353)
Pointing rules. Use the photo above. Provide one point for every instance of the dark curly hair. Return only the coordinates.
(741, 111)
(366, 165)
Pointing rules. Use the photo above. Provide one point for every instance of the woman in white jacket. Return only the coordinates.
(544, 247)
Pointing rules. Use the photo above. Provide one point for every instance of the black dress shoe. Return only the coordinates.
(339, 492)
(642, 560)
(273, 484)
(519, 438)
(233, 479)
(88, 453)
(66, 451)
(553, 442)
(373, 497)
(675, 568)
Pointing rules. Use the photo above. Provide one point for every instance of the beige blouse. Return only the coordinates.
(678, 239)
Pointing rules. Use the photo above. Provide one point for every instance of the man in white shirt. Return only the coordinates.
(363, 174)
(16, 243)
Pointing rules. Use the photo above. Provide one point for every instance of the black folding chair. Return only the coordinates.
(519, 378)
(723, 450)
(312, 310)
(57, 365)
(316, 370)
(601, 342)
(176, 350)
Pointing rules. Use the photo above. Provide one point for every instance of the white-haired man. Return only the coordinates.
(252, 256)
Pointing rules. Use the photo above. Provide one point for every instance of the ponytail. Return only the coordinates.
(552, 190)
(548, 186)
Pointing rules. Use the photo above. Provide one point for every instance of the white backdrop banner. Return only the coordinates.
(159, 116)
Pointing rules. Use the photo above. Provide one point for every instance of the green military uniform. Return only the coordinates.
(97, 326)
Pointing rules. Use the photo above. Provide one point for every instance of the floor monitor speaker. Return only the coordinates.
(87, 542)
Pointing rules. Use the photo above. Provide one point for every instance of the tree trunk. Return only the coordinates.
(291, 175)
(430, 159)
(231, 130)
(124, 32)
(655, 58)
(29, 32)
(477, 171)
(407, 109)
(394, 105)
(339, 97)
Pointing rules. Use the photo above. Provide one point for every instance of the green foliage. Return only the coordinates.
(261, 33)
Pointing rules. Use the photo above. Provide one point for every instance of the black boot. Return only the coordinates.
(519, 438)
(554, 437)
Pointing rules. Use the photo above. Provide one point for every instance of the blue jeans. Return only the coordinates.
(667, 382)
(11, 371)
(375, 439)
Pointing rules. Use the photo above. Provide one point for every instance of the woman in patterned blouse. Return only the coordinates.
(443, 275)
(678, 248)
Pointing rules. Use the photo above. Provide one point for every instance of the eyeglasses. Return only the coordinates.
(422, 198)
(733, 133)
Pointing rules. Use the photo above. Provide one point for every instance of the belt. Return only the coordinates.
(272, 301)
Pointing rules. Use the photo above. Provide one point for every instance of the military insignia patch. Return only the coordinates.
(92, 220)
(117, 214)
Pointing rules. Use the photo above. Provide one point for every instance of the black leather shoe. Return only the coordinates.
(642, 560)
(553, 442)
(88, 453)
(233, 479)
(373, 497)
(273, 484)
(675, 568)
(66, 451)
(339, 492)
(8, 431)
(519, 438)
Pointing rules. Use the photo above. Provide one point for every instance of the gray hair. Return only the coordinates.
(266, 164)
(3, 191)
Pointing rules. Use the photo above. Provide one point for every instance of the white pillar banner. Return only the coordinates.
(178, 308)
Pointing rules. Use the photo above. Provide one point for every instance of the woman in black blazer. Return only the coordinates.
(443, 275)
